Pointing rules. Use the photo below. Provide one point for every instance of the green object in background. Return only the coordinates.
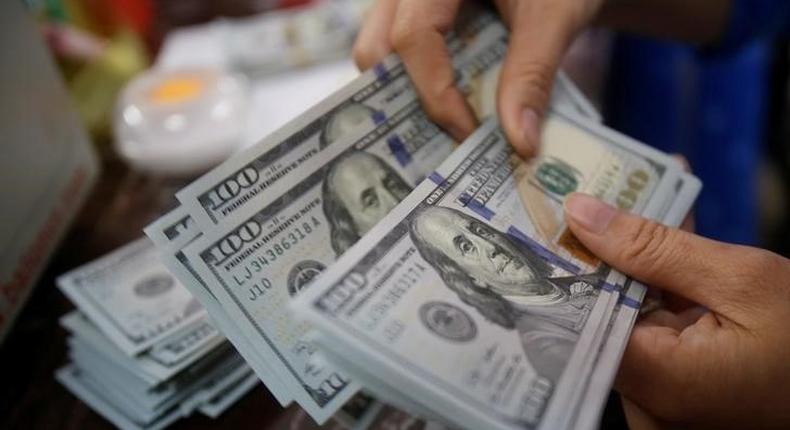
(97, 84)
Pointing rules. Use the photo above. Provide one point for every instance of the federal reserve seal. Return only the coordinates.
(448, 321)
(154, 285)
(301, 274)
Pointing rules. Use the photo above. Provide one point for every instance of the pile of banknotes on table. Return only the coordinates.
(295, 37)
(360, 249)
(143, 352)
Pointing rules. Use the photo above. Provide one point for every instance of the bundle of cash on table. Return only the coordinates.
(359, 249)
(143, 352)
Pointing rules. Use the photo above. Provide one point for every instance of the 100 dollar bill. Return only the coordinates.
(361, 151)
(154, 368)
(347, 190)
(453, 302)
(361, 106)
(171, 233)
(684, 194)
(352, 110)
(333, 203)
(132, 297)
(406, 141)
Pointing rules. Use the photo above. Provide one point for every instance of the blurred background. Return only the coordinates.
(167, 89)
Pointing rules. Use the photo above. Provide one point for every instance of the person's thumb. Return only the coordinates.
(663, 257)
(541, 32)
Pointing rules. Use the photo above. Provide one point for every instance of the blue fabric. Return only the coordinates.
(753, 19)
(710, 108)
(708, 105)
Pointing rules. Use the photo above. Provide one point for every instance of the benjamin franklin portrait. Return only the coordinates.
(358, 191)
(343, 122)
(506, 283)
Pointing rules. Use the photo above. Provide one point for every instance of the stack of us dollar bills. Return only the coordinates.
(143, 351)
(279, 40)
(360, 249)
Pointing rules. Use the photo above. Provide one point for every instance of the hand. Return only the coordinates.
(541, 31)
(723, 364)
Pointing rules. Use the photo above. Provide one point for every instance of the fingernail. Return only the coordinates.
(591, 213)
(530, 126)
(456, 133)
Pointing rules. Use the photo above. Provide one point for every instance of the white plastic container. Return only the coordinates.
(180, 122)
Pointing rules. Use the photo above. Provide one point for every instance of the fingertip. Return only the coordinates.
(372, 42)
(523, 136)
(588, 214)
(366, 55)
(530, 130)
(449, 109)
(523, 127)
(360, 58)
(524, 150)
(683, 161)
(458, 133)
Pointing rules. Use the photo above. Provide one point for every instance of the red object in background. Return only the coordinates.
(107, 16)
(293, 3)
(152, 18)
(137, 14)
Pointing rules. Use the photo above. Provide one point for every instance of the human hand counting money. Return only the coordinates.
(415, 30)
(722, 363)
(540, 33)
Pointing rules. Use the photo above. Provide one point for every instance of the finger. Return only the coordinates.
(637, 418)
(418, 36)
(681, 263)
(660, 365)
(373, 40)
(677, 321)
(662, 318)
(659, 299)
(676, 303)
(688, 222)
(541, 31)
(648, 367)
(683, 161)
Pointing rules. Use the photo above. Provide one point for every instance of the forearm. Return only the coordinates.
(694, 21)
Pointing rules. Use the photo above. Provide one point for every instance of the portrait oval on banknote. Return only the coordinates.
(448, 321)
(154, 285)
(344, 120)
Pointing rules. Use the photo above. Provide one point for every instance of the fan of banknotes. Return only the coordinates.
(143, 352)
(360, 250)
